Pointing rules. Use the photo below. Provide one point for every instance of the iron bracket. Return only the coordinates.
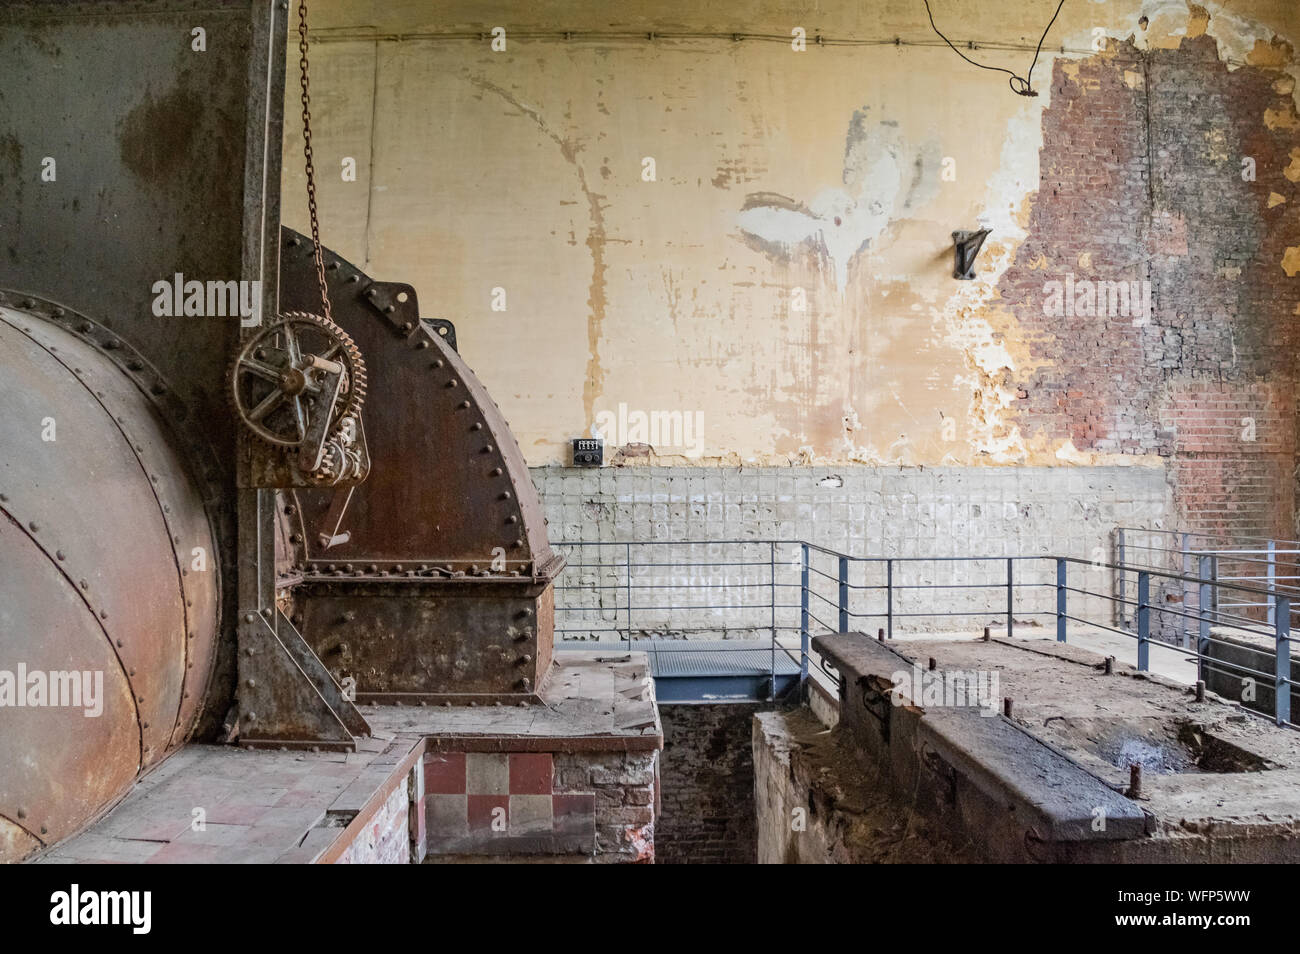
(966, 246)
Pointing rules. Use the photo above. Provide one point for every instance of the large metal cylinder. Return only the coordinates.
(109, 588)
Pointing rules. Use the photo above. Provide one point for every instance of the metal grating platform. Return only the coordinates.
(716, 670)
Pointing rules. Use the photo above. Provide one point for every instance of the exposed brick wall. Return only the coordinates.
(385, 840)
(1141, 179)
(540, 806)
(1234, 454)
(708, 785)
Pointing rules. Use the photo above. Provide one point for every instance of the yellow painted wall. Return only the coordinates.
(523, 170)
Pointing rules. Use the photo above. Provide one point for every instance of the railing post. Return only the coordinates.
(803, 616)
(844, 594)
(1282, 672)
(1011, 600)
(628, 554)
(1144, 621)
(1214, 576)
(1272, 582)
(1203, 611)
(1123, 584)
(771, 559)
(1060, 600)
(889, 598)
(1186, 570)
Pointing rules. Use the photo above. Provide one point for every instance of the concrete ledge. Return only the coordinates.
(1012, 792)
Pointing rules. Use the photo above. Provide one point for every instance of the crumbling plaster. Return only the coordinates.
(522, 170)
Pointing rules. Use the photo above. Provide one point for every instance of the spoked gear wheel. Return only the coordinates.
(276, 385)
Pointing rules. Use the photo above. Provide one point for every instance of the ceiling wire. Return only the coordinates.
(1020, 85)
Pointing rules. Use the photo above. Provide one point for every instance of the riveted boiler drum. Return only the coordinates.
(109, 589)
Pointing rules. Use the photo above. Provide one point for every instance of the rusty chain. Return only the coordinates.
(310, 168)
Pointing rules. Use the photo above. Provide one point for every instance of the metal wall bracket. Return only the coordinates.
(966, 246)
(287, 698)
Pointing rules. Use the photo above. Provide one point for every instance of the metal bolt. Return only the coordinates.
(250, 617)
(986, 634)
(1110, 665)
(34, 526)
(1006, 707)
(880, 635)
(933, 664)
(1200, 690)
(59, 554)
(1134, 781)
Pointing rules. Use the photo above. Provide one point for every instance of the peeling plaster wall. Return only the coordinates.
(818, 178)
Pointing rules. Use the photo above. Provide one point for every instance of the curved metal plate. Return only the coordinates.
(449, 485)
(58, 765)
(91, 483)
(186, 529)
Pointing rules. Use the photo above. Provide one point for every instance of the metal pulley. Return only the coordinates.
(300, 383)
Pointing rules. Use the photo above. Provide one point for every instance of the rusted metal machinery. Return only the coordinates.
(109, 581)
(430, 581)
(245, 531)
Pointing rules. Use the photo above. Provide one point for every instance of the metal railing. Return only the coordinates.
(745, 591)
(1271, 563)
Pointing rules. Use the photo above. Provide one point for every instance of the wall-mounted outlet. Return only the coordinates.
(588, 451)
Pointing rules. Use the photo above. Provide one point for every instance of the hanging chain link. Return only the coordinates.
(310, 168)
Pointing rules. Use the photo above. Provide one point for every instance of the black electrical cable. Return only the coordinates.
(1020, 85)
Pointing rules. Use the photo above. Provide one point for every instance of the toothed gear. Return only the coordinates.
(272, 381)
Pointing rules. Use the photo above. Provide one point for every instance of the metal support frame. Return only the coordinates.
(1186, 564)
(1011, 597)
(803, 615)
(1060, 600)
(1282, 670)
(844, 594)
(1203, 599)
(771, 561)
(1144, 621)
(1272, 581)
(889, 599)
